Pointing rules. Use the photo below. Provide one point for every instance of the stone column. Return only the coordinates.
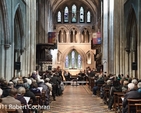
(90, 37)
(105, 36)
(111, 37)
(73, 36)
(62, 36)
(32, 35)
(27, 52)
(116, 36)
(68, 37)
(121, 54)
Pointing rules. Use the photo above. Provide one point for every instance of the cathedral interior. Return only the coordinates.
(27, 40)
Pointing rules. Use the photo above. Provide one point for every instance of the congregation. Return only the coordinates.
(28, 94)
(42, 89)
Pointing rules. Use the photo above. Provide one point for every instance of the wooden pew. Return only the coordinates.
(118, 101)
(106, 95)
(131, 104)
(138, 108)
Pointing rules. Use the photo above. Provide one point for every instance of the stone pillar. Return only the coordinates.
(85, 35)
(7, 68)
(105, 36)
(68, 37)
(111, 37)
(33, 35)
(27, 52)
(73, 35)
(116, 39)
(62, 36)
(121, 54)
(90, 37)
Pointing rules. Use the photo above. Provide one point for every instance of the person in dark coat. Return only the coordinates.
(55, 81)
(34, 88)
(133, 94)
(30, 94)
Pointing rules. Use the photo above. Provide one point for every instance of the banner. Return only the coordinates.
(51, 37)
(96, 38)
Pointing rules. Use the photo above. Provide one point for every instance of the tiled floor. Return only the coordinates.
(77, 99)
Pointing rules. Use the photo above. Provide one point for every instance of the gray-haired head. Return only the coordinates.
(131, 86)
(139, 85)
(21, 90)
(134, 81)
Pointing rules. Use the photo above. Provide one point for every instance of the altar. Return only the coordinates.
(73, 72)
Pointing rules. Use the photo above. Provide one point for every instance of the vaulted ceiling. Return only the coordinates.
(93, 4)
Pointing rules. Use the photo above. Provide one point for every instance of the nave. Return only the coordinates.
(77, 99)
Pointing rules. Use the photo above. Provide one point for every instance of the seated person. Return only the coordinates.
(34, 88)
(5, 88)
(139, 87)
(100, 80)
(30, 94)
(125, 86)
(10, 100)
(135, 81)
(20, 97)
(133, 93)
(117, 87)
(2, 107)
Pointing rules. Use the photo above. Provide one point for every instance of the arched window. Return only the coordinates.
(73, 60)
(79, 61)
(66, 14)
(88, 16)
(67, 62)
(59, 16)
(81, 14)
(74, 13)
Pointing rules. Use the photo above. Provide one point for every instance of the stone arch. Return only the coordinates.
(131, 39)
(20, 18)
(18, 36)
(68, 50)
(74, 34)
(5, 24)
(87, 38)
(62, 37)
(59, 54)
(89, 59)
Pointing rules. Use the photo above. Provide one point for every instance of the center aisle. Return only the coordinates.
(77, 99)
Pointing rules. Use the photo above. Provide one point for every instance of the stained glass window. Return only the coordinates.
(67, 62)
(81, 14)
(66, 14)
(59, 16)
(74, 13)
(73, 60)
(79, 61)
(88, 16)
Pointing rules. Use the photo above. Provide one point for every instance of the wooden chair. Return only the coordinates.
(43, 98)
(131, 104)
(138, 108)
(118, 101)
(98, 90)
(106, 95)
